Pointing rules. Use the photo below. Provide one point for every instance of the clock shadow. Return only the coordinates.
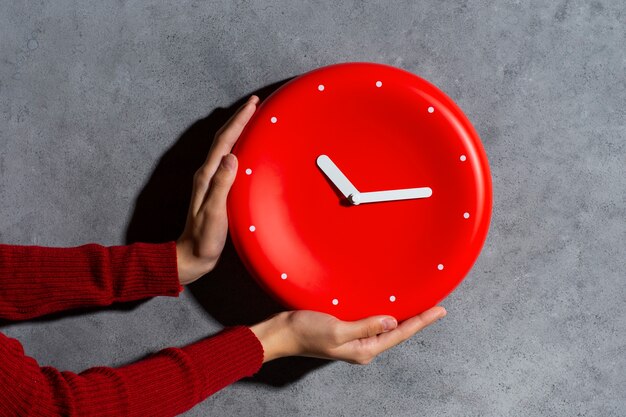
(228, 293)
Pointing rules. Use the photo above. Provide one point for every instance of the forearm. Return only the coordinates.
(39, 280)
(273, 333)
(164, 384)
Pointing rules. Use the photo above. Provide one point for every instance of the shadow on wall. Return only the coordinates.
(75, 312)
(228, 293)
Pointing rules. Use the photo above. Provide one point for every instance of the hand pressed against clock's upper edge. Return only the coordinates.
(202, 241)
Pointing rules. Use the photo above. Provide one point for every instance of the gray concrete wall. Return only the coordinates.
(104, 107)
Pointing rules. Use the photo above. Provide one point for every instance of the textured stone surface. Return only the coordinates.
(98, 137)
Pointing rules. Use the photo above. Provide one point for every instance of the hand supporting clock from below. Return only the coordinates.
(290, 333)
(320, 335)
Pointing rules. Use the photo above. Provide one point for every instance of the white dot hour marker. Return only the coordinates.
(283, 276)
(248, 171)
(379, 84)
(252, 228)
(466, 215)
(392, 298)
(463, 158)
(335, 301)
(320, 87)
(273, 119)
(440, 267)
(431, 109)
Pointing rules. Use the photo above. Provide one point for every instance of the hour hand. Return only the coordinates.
(391, 195)
(336, 176)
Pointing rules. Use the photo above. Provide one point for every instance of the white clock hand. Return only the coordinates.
(336, 176)
(391, 195)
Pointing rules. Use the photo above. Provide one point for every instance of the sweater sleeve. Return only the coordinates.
(164, 384)
(36, 280)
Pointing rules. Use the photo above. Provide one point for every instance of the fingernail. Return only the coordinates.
(228, 161)
(389, 324)
(443, 314)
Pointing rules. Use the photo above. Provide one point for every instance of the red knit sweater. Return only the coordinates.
(35, 280)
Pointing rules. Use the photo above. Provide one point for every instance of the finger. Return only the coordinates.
(228, 134)
(218, 149)
(364, 328)
(407, 329)
(220, 184)
(252, 99)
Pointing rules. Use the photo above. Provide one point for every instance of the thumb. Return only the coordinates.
(364, 328)
(222, 181)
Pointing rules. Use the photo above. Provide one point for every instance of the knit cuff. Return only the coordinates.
(240, 354)
(145, 270)
(40, 280)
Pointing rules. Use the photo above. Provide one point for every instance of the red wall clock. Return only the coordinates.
(362, 189)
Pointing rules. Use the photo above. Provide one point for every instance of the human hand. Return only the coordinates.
(202, 241)
(320, 335)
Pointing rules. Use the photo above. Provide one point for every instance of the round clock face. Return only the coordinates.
(362, 189)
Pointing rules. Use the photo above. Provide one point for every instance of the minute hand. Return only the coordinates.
(391, 195)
